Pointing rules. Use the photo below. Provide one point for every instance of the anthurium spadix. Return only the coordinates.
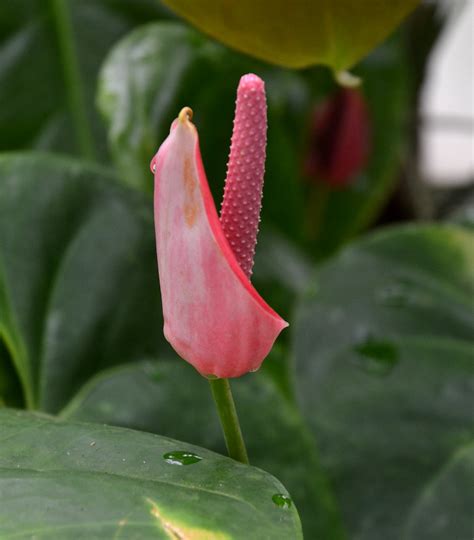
(213, 316)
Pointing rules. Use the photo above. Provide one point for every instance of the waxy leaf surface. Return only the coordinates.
(61, 481)
(171, 399)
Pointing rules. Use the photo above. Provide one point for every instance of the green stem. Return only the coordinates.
(234, 441)
(72, 77)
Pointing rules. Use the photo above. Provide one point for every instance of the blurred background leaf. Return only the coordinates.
(298, 33)
(35, 90)
(443, 509)
(385, 372)
(78, 279)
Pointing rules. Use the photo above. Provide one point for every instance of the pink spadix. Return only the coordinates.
(242, 202)
(213, 316)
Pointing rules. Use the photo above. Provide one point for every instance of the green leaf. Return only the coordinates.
(444, 508)
(68, 480)
(33, 68)
(78, 280)
(170, 398)
(297, 33)
(383, 346)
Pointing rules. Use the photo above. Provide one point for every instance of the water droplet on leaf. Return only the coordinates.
(281, 500)
(181, 458)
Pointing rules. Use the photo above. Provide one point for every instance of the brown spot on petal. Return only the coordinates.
(190, 214)
(190, 201)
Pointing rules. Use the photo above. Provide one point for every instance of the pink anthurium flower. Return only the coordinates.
(213, 316)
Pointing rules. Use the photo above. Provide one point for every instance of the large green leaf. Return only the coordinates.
(160, 68)
(297, 33)
(69, 480)
(78, 281)
(385, 371)
(34, 68)
(170, 398)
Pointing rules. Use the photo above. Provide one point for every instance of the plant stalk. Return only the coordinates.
(234, 441)
(72, 77)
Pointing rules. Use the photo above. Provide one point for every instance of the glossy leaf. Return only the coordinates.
(170, 398)
(78, 279)
(297, 33)
(383, 345)
(67, 480)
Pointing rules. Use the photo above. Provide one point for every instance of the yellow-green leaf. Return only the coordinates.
(298, 33)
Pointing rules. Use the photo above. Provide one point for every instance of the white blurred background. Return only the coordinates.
(447, 102)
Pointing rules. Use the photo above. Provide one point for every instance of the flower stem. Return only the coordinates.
(72, 77)
(234, 441)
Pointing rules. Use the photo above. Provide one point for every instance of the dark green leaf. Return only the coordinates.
(78, 280)
(72, 481)
(385, 371)
(172, 399)
(444, 508)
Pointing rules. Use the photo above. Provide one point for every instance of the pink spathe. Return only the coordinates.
(214, 318)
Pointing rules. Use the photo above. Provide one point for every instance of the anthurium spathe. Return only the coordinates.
(213, 316)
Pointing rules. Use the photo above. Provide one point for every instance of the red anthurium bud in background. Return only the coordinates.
(339, 139)
(213, 316)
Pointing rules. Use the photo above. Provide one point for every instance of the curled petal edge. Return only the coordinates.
(213, 316)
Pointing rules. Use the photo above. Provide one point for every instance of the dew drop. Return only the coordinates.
(181, 458)
(282, 500)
